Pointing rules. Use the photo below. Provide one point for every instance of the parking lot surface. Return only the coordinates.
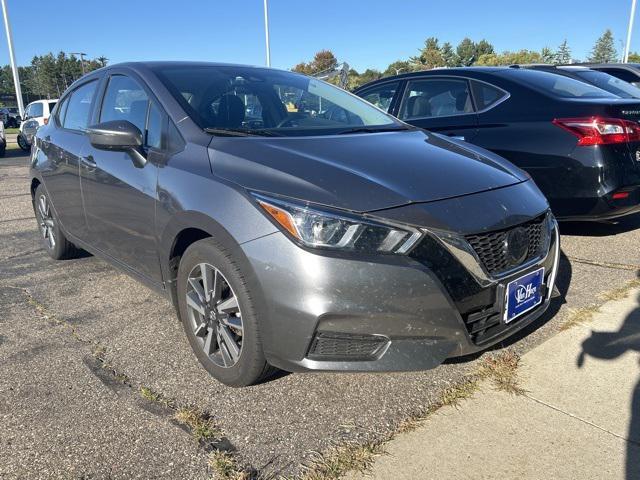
(79, 340)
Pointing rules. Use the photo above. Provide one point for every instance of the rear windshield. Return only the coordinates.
(557, 85)
(609, 83)
(268, 102)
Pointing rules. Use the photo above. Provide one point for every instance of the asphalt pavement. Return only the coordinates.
(71, 331)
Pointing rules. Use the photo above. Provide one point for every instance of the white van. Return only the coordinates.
(40, 110)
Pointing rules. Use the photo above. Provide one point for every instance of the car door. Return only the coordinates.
(384, 95)
(440, 104)
(119, 192)
(63, 144)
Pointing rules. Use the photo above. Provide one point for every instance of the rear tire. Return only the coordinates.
(219, 317)
(54, 241)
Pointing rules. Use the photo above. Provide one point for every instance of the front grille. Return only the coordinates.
(340, 346)
(490, 247)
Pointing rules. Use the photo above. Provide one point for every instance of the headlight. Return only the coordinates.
(321, 229)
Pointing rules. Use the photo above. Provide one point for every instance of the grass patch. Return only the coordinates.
(342, 459)
(502, 370)
(11, 130)
(200, 424)
(225, 467)
(153, 396)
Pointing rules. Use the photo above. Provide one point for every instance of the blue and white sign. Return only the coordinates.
(524, 294)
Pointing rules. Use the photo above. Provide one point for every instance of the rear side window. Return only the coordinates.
(381, 95)
(62, 110)
(436, 97)
(51, 107)
(486, 95)
(125, 99)
(79, 107)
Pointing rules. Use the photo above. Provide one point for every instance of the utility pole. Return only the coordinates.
(625, 58)
(266, 31)
(12, 59)
(82, 55)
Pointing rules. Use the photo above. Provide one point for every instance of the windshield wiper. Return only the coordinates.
(373, 130)
(240, 132)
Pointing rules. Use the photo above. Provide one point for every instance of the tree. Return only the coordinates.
(548, 56)
(510, 58)
(430, 55)
(634, 57)
(483, 48)
(604, 51)
(563, 55)
(449, 56)
(322, 60)
(397, 67)
(466, 52)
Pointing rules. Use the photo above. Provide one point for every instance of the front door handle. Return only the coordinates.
(89, 163)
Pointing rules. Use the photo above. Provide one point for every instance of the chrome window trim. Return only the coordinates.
(506, 97)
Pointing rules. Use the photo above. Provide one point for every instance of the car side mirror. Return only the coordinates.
(119, 136)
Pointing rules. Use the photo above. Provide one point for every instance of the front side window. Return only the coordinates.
(268, 102)
(153, 137)
(79, 107)
(126, 100)
(36, 110)
(52, 105)
(62, 110)
(436, 97)
(381, 95)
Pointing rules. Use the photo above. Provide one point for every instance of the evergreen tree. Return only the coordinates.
(430, 55)
(466, 51)
(547, 55)
(563, 55)
(449, 57)
(604, 51)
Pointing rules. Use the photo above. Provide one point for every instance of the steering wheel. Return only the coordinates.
(288, 119)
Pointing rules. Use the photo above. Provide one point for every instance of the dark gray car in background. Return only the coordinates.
(292, 224)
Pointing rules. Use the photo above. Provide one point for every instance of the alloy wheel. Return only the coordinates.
(214, 314)
(46, 222)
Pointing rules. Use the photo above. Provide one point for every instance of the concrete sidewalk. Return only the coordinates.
(579, 417)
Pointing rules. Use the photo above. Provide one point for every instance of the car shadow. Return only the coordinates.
(601, 229)
(609, 346)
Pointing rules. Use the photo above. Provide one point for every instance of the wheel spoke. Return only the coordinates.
(207, 275)
(194, 302)
(216, 292)
(233, 322)
(201, 330)
(210, 343)
(229, 342)
(197, 288)
(230, 305)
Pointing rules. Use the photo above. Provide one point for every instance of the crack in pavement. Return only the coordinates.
(20, 255)
(13, 195)
(616, 266)
(583, 420)
(16, 219)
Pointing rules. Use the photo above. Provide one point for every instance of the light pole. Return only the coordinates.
(266, 31)
(625, 57)
(82, 55)
(12, 59)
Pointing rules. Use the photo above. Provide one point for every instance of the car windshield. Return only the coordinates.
(558, 85)
(259, 101)
(609, 83)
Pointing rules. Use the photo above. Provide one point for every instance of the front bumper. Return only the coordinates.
(379, 313)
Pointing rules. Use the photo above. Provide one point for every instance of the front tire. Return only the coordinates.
(54, 241)
(22, 143)
(219, 317)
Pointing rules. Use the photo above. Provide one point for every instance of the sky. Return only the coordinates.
(364, 33)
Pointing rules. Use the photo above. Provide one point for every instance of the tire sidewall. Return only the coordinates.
(251, 362)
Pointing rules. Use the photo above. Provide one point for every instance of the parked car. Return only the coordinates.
(25, 136)
(358, 243)
(40, 110)
(581, 144)
(3, 141)
(10, 117)
(629, 72)
(595, 77)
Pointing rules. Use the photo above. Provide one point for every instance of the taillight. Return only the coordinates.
(600, 131)
(46, 120)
